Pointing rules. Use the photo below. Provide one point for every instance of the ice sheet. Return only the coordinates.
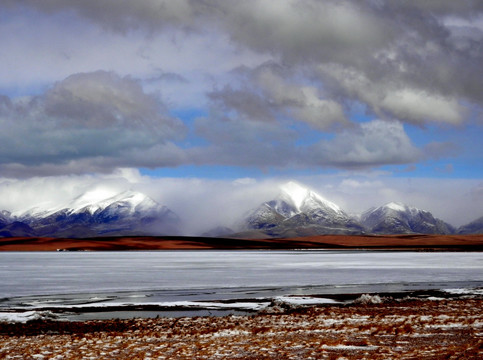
(223, 279)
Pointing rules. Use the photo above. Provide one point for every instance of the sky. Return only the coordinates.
(211, 104)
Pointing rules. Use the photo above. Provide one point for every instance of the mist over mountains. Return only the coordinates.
(295, 211)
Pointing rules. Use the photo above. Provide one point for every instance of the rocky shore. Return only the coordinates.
(393, 329)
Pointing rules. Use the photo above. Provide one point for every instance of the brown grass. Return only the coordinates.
(417, 329)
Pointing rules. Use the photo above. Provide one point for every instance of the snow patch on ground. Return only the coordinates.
(23, 317)
(368, 299)
(230, 333)
(304, 300)
(464, 291)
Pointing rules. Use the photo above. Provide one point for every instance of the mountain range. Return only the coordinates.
(298, 211)
(127, 213)
(295, 211)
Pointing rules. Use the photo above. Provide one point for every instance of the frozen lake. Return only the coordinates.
(40, 280)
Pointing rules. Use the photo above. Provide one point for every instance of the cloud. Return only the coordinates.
(438, 150)
(268, 93)
(122, 15)
(410, 57)
(97, 122)
(303, 31)
(265, 145)
(302, 102)
(244, 181)
(89, 122)
(105, 100)
(469, 7)
(244, 143)
(371, 144)
(391, 100)
(277, 83)
(402, 62)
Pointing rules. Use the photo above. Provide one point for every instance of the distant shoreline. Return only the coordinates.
(412, 242)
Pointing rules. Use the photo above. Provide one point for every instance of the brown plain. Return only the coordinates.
(395, 242)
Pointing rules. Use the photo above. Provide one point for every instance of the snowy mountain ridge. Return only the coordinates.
(134, 201)
(90, 201)
(299, 211)
(295, 211)
(403, 219)
(302, 199)
(100, 212)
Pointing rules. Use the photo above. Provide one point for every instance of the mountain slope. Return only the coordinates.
(5, 218)
(396, 218)
(474, 227)
(16, 228)
(298, 211)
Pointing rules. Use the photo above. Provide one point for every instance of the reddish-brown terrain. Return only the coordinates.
(402, 242)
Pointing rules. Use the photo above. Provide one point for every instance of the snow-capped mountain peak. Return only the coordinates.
(96, 200)
(102, 211)
(299, 211)
(396, 206)
(302, 198)
(402, 208)
(396, 217)
(295, 193)
(90, 199)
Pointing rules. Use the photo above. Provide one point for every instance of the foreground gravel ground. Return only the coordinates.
(409, 329)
